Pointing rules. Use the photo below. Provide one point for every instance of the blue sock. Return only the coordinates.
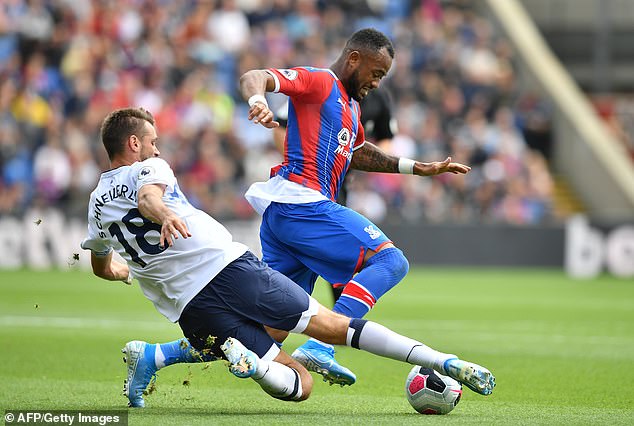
(180, 351)
(382, 272)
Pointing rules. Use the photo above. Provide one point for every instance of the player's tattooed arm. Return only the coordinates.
(371, 158)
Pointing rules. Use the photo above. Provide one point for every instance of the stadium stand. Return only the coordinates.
(64, 64)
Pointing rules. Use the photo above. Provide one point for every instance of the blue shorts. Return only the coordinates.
(304, 241)
(242, 298)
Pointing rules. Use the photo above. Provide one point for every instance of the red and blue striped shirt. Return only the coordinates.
(324, 128)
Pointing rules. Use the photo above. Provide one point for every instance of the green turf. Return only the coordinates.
(562, 351)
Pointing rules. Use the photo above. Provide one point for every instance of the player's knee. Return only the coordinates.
(396, 264)
(278, 335)
(401, 267)
(307, 384)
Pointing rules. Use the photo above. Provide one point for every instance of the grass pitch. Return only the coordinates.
(562, 352)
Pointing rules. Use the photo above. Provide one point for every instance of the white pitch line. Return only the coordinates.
(70, 322)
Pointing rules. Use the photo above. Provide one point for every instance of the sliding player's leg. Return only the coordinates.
(144, 359)
(282, 377)
(372, 337)
(228, 316)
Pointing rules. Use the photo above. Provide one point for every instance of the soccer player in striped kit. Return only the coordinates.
(304, 232)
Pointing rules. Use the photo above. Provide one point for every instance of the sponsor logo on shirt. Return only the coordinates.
(342, 151)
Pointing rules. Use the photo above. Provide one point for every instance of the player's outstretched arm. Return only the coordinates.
(152, 207)
(253, 85)
(109, 269)
(438, 167)
(371, 158)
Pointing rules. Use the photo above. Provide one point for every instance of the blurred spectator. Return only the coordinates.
(617, 113)
(64, 64)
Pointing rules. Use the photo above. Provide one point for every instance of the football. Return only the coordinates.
(429, 392)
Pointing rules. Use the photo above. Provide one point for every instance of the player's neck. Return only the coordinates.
(338, 69)
(120, 161)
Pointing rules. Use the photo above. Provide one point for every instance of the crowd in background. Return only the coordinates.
(65, 64)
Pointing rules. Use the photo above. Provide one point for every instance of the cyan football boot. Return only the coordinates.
(321, 359)
(243, 362)
(139, 357)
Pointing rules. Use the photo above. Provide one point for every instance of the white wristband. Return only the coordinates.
(406, 166)
(257, 98)
(128, 280)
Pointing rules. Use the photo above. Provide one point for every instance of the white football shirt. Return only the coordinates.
(170, 277)
(277, 189)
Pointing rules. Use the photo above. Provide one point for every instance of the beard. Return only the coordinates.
(353, 86)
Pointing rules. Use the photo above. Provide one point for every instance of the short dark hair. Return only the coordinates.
(120, 124)
(370, 39)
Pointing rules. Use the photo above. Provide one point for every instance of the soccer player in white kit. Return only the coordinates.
(221, 295)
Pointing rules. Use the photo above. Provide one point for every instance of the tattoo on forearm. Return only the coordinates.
(371, 158)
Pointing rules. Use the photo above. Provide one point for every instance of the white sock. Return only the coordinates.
(278, 380)
(159, 357)
(379, 340)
